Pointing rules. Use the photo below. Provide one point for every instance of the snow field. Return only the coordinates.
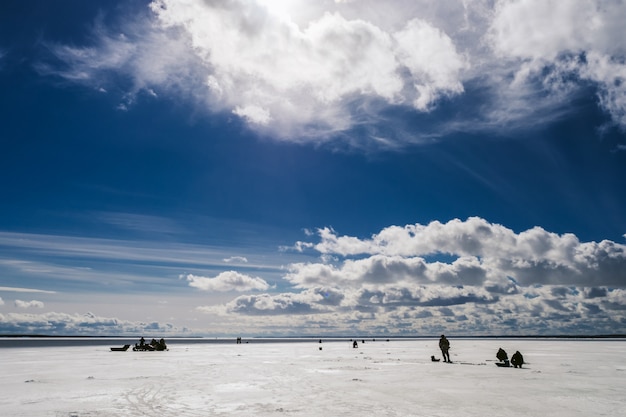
(396, 378)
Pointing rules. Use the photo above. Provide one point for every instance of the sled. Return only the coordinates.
(120, 349)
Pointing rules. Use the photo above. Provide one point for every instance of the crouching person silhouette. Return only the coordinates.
(503, 358)
(517, 359)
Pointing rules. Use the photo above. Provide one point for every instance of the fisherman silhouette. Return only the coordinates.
(503, 358)
(444, 345)
(517, 359)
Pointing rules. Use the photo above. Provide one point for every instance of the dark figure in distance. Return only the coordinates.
(444, 345)
(503, 357)
(161, 345)
(355, 344)
(517, 359)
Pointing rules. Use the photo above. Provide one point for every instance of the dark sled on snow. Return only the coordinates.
(120, 349)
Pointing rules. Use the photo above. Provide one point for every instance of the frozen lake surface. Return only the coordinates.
(379, 378)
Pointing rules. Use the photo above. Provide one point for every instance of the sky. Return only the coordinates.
(291, 168)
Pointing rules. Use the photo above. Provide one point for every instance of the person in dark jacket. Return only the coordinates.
(444, 345)
(161, 345)
(517, 359)
(502, 357)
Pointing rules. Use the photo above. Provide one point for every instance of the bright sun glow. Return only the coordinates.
(280, 8)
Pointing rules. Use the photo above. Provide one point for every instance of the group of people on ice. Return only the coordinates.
(153, 345)
(517, 360)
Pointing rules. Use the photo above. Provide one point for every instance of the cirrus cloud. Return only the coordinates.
(236, 259)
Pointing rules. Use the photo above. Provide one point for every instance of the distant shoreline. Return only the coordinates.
(333, 337)
(42, 341)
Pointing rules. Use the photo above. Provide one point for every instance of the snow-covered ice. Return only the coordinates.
(379, 378)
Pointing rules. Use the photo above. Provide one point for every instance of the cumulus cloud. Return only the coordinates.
(545, 39)
(90, 324)
(471, 275)
(485, 251)
(267, 304)
(227, 281)
(314, 301)
(310, 72)
(382, 270)
(279, 75)
(28, 304)
(461, 276)
(429, 311)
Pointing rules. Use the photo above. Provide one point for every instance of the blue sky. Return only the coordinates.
(309, 168)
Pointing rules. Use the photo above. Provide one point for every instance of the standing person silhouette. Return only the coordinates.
(444, 345)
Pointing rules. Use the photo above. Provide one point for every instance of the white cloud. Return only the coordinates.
(227, 281)
(266, 304)
(17, 289)
(152, 59)
(485, 251)
(311, 301)
(432, 59)
(79, 259)
(54, 323)
(279, 75)
(284, 77)
(609, 72)
(254, 114)
(236, 259)
(470, 277)
(428, 310)
(28, 304)
(543, 29)
(310, 71)
(545, 37)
